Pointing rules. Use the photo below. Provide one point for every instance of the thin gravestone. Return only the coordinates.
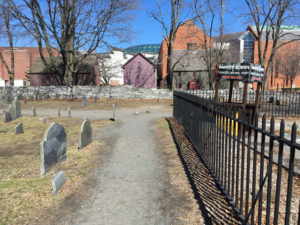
(95, 99)
(69, 112)
(17, 107)
(85, 134)
(1, 103)
(114, 112)
(19, 128)
(58, 181)
(58, 113)
(12, 112)
(8, 99)
(25, 101)
(33, 111)
(6, 117)
(53, 148)
(83, 102)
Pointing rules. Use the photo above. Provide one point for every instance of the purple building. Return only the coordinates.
(140, 72)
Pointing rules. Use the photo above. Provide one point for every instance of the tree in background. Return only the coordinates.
(207, 12)
(71, 26)
(169, 28)
(289, 62)
(268, 17)
(8, 33)
(107, 70)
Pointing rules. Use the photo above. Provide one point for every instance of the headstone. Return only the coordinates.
(58, 113)
(43, 119)
(69, 112)
(12, 112)
(53, 147)
(85, 135)
(6, 117)
(95, 99)
(25, 101)
(1, 103)
(19, 128)
(58, 181)
(83, 102)
(17, 106)
(148, 109)
(114, 112)
(33, 111)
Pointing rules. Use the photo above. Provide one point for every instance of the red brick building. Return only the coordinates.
(24, 59)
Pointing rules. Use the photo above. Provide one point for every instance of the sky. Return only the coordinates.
(149, 31)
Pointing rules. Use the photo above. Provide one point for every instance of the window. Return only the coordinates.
(191, 46)
(248, 48)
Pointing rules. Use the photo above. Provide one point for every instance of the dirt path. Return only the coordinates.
(130, 186)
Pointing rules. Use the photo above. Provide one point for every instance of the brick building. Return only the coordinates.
(189, 38)
(24, 59)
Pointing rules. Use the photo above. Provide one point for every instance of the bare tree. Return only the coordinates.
(71, 26)
(289, 62)
(169, 29)
(108, 71)
(206, 12)
(268, 17)
(7, 24)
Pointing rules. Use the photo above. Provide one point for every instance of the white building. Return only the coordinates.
(110, 65)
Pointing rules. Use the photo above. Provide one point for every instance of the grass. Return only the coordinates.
(24, 195)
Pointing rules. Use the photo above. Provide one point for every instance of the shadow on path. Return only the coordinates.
(212, 203)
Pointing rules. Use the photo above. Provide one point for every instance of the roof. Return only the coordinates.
(189, 61)
(147, 48)
(287, 33)
(86, 65)
(138, 54)
(229, 37)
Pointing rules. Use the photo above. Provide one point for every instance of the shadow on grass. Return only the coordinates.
(212, 203)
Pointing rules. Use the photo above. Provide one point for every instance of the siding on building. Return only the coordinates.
(139, 72)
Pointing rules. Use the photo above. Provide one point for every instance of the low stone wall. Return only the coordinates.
(76, 92)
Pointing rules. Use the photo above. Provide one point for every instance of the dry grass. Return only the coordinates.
(186, 208)
(24, 195)
(102, 104)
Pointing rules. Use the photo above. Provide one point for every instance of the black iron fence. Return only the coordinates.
(272, 103)
(257, 166)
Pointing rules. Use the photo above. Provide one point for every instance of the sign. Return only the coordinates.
(246, 72)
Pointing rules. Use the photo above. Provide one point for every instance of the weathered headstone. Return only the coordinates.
(114, 112)
(58, 113)
(43, 119)
(25, 101)
(6, 117)
(12, 112)
(58, 181)
(85, 135)
(53, 147)
(17, 106)
(1, 103)
(69, 112)
(33, 111)
(95, 99)
(19, 128)
(83, 102)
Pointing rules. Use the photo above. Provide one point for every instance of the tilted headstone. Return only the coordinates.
(53, 147)
(69, 112)
(85, 135)
(58, 113)
(19, 128)
(83, 102)
(12, 112)
(6, 117)
(33, 111)
(17, 106)
(58, 181)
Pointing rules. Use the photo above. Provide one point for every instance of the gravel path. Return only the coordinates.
(129, 188)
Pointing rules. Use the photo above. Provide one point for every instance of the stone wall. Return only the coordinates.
(77, 92)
